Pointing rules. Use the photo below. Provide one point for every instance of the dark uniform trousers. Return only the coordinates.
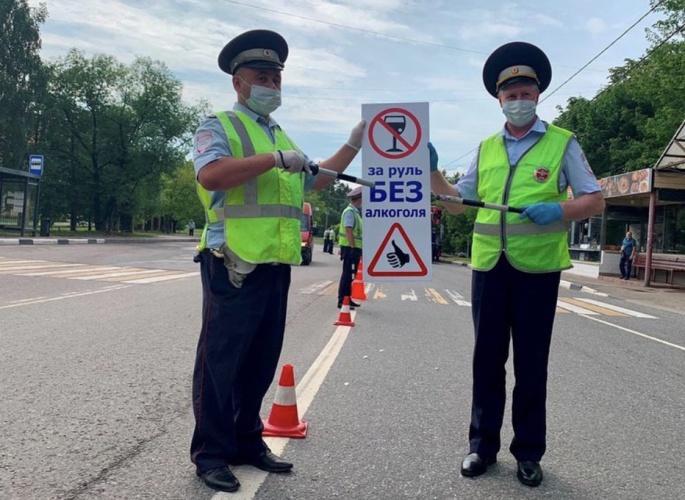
(350, 257)
(508, 303)
(237, 355)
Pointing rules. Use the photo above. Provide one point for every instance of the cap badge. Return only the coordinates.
(541, 174)
(267, 52)
(514, 70)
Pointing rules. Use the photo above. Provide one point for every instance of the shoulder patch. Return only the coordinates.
(203, 141)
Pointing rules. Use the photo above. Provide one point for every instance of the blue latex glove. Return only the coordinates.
(543, 213)
(433, 157)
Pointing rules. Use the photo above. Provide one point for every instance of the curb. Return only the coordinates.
(580, 288)
(89, 241)
(51, 241)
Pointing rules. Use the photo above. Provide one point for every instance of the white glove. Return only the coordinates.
(355, 140)
(291, 161)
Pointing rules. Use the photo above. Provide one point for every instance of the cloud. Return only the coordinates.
(595, 25)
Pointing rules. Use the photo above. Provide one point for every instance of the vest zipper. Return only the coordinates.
(507, 186)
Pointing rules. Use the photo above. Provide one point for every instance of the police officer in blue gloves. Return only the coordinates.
(517, 259)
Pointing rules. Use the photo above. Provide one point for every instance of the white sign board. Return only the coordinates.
(397, 237)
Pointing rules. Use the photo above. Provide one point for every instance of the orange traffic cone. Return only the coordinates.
(284, 420)
(345, 318)
(358, 288)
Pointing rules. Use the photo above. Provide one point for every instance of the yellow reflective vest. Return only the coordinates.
(261, 217)
(535, 178)
(356, 230)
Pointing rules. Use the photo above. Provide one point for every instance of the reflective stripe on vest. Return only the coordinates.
(261, 217)
(356, 230)
(535, 178)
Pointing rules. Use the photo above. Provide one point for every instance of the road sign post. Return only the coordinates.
(36, 164)
(396, 211)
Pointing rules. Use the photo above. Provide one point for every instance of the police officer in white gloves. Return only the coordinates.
(251, 179)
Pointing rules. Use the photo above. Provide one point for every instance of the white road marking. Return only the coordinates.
(316, 287)
(669, 344)
(162, 278)
(410, 296)
(619, 309)
(458, 298)
(41, 300)
(251, 478)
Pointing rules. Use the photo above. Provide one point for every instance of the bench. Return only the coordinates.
(669, 265)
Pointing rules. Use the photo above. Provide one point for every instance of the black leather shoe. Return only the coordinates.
(351, 306)
(267, 461)
(529, 473)
(221, 479)
(474, 465)
(354, 304)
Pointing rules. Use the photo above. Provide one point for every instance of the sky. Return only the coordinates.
(345, 53)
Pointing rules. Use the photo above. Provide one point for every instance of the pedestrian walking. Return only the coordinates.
(517, 259)
(191, 227)
(251, 179)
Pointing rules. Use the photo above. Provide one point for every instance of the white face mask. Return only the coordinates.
(263, 100)
(519, 113)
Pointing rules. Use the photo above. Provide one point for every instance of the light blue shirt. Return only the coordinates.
(575, 169)
(210, 143)
(349, 219)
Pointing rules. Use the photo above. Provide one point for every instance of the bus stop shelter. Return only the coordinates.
(648, 191)
(19, 198)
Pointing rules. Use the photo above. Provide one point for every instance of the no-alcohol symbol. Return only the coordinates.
(394, 133)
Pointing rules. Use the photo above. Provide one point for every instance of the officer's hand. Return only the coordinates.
(433, 157)
(355, 140)
(398, 258)
(543, 213)
(292, 161)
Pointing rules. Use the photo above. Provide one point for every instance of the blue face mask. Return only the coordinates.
(519, 113)
(263, 100)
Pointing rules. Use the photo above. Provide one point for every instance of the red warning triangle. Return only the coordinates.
(371, 270)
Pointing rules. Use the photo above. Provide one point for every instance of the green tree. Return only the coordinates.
(115, 130)
(179, 196)
(21, 78)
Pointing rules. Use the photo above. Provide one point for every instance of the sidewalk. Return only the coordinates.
(585, 277)
(57, 240)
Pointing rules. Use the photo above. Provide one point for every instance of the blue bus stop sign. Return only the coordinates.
(36, 164)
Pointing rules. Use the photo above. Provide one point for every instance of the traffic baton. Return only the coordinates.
(316, 170)
(479, 204)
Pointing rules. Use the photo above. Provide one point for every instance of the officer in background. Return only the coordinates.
(517, 259)
(350, 244)
(326, 239)
(331, 244)
(251, 178)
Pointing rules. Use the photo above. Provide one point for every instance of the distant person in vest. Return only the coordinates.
(332, 243)
(251, 178)
(517, 259)
(350, 244)
(628, 252)
(326, 239)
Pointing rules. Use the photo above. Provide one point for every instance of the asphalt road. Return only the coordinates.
(97, 347)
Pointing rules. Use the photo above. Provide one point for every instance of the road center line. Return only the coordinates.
(251, 478)
(676, 346)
